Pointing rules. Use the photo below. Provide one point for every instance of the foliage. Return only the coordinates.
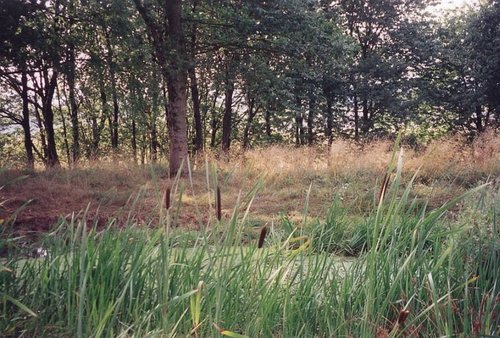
(420, 271)
(84, 79)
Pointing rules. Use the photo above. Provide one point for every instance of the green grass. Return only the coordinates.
(442, 269)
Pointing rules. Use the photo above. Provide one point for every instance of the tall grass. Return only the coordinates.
(417, 273)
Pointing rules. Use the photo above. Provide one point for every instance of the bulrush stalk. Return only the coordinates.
(383, 188)
(417, 270)
(403, 315)
(262, 237)
(218, 204)
(167, 198)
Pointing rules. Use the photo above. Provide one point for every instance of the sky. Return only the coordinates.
(452, 4)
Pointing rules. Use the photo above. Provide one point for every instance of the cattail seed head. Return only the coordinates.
(218, 204)
(403, 315)
(383, 188)
(167, 198)
(262, 237)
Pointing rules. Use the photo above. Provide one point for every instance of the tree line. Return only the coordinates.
(86, 78)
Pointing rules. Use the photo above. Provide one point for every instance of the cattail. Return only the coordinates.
(167, 198)
(218, 204)
(383, 188)
(262, 237)
(403, 315)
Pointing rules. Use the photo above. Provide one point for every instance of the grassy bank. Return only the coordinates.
(349, 172)
(412, 270)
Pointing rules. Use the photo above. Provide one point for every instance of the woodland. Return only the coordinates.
(258, 168)
(150, 79)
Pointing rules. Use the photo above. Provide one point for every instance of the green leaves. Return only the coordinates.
(417, 270)
(195, 306)
(228, 333)
(17, 303)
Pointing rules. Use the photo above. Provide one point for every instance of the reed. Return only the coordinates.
(262, 237)
(218, 204)
(418, 272)
(167, 198)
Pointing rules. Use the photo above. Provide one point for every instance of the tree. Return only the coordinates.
(167, 37)
(376, 76)
(463, 82)
(16, 36)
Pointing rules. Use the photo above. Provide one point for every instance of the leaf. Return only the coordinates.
(232, 334)
(19, 305)
(228, 333)
(4, 268)
(195, 305)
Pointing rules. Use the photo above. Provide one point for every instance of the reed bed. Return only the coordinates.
(413, 272)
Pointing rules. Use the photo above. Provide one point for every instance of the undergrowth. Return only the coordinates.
(417, 272)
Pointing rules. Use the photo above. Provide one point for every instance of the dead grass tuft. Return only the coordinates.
(347, 170)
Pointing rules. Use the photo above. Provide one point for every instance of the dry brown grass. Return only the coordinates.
(351, 171)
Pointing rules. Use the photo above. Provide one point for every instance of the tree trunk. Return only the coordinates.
(195, 96)
(28, 143)
(479, 119)
(176, 85)
(310, 119)
(227, 118)
(43, 139)
(299, 121)
(70, 75)
(267, 119)
(116, 113)
(97, 128)
(48, 117)
(248, 125)
(299, 129)
(91, 150)
(329, 120)
(134, 141)
(174, 74)
(65, 130)
(143, 149)
(366, 117)
(154, 142)
(487, 117)
(114, 93)
(214, 124)
(110, 125)
(356, 118)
